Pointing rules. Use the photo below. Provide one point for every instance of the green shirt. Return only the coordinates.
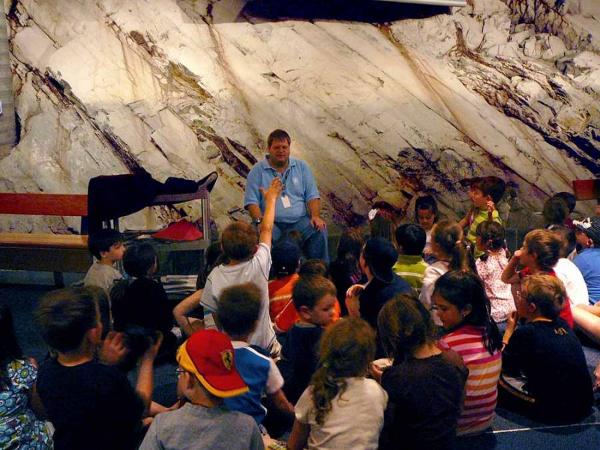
(411, 268)
(481, 216)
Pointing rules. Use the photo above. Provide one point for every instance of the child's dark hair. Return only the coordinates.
(492, 235)
(546, 292)
(238, 309)
(136, 340)
(346, 350)
(139, 259)
(308, 290)
(450, 239)
(404, 324)
(278, 135)
(102, 241)
(411, 238)
(545, 245)
(286, 258)
(65, 316)
(9, 346)
(212, 258)
(101, 299)
(490, 185)
(555, 211)
(426, 202)
(568, 239)
(314, 266)
(348, 249)
(464, 289)
(569, 199)
(239, 241)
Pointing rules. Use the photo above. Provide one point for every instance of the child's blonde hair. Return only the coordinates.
(450, 239)
(545, 245)
(346, 350)
(546, 292)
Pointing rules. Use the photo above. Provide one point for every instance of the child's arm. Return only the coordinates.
(299, 436)
(183, 309)
(281, 403)
(145, 381)
(353, 300)
(271, 195)
(464, 222)
(510, 274)
(511, 324)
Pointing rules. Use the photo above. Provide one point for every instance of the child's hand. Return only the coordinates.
(274, 190)
(152, 351)
(376, 372)
(113, 349)
(491, 206)
(597, 378)
(517, 254)
(354, 290)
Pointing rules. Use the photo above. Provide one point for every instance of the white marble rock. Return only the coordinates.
(378, 110)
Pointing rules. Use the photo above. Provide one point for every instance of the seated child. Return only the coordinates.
(206, 376)
(341, 409)
(90, 404)
(314, 299)
(345, 270)
(490, 265)
(383, 219)
(286, 261)
(555, 212)
(142, 300)
(555, 385)
(464, 310)
(238, 315)
(410, 239)
(567, 271)
(539, 254)
(19, 426)
(425, 385)
(107, 247)
(426, 215)
(571, 202)
(248, 261)
(485, 193)
(588, 259)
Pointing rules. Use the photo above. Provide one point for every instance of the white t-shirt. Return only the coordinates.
(355, 419)
(102, 275)
(256, 271)
(571, 276)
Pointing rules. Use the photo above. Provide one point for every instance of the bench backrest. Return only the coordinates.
(44, 204)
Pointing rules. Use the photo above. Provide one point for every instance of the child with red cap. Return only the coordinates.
(206, 375)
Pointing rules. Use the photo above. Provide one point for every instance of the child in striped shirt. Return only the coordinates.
(464, 309)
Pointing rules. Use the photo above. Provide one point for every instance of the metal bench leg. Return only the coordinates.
(59, 281)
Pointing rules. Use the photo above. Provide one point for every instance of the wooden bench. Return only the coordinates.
(60, 253)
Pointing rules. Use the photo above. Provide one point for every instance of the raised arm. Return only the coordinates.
(510, 274)
(145, 380)
(271, 195)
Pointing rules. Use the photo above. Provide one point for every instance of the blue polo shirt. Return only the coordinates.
(588, 262)
(298, 185)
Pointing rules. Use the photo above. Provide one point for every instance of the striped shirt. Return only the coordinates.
(481, 390)
(412, 269)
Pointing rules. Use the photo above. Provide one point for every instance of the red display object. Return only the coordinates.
(179, 231)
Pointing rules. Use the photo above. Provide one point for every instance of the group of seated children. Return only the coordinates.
(409, 339)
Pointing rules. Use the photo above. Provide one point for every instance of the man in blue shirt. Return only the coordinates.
(299, 206)
(588, 259)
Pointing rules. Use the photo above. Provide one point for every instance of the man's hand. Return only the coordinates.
(318, 223)
(113, 349)
(273, 191)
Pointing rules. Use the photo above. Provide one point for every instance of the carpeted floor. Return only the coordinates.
(510, 431)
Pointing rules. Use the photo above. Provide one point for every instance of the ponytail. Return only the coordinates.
(346, 349)
(449, 238)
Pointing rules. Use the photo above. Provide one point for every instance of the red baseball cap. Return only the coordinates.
(209, 355)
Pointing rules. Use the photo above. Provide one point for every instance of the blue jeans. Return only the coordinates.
(314, 242)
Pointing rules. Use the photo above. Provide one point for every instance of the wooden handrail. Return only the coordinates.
(44, 204)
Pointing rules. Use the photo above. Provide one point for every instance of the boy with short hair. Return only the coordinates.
(238, 315)
(207, 375)
(91, 405)
(249, 260)
(411, 266)
(108, 248)
(485, 193)
(545, 354)
(315, 298)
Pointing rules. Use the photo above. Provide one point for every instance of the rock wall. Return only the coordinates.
(379, 110)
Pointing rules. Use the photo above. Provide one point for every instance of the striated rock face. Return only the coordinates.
(379, 110)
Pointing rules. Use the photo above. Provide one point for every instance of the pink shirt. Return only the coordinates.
(499, 293)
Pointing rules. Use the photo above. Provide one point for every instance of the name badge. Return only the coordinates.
(286, 201)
